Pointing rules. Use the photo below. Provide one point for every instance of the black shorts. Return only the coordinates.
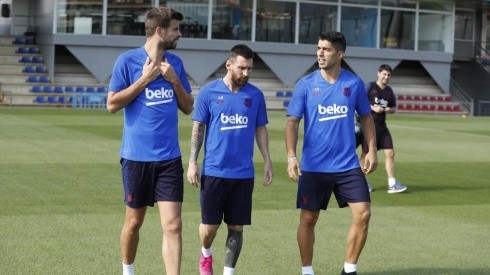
(383, 140)
(148, 182)
(315, 189)
(226, 199)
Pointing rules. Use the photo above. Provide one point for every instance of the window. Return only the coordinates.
(79, 17)
(314, 19)
(397, 29)
(275, 21)
(127, 18)
(411, 4)
(195, 23)
(359, 26)
(463, 27)
(435, 32)
(232, 19)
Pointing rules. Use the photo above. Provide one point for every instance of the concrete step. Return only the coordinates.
(416, 89)
(406, 79)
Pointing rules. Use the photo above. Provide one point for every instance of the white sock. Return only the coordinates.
(206, 252)
(391, 182)
(348, 268)
(128, 269)
(307, 270)
(228, 270)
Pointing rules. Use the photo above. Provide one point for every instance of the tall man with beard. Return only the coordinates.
(150, 84)
(328, 100)
(230, 113)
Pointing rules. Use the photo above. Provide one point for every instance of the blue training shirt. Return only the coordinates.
(329, 144)
(231, 119)
(150, 121)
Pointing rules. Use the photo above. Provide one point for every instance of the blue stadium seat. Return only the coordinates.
(58, 89)
(52, 99)
(47, 89)
(80, 89)
(25, 59)
(28, 69)
(68, 89)
(289, 94)
(33, 50)
(37, 59)
(40, 69)
(22, 50)
(61, 100)
(44, 79)
(19, 40)
(32, 78)
(36, 89)
(285, 103)
(40, 99)
(280, 94)
(90, 89)
(101, 90)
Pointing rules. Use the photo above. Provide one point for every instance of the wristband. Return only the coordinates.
(292, 158)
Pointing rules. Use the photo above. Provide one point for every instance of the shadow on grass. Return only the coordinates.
(432, 271)
(430, 188)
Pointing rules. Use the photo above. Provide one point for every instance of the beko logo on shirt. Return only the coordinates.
(337, 111)
(237, 120)
(163, 94)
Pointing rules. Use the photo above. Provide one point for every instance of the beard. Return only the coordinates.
(239, 80)
(169, 45)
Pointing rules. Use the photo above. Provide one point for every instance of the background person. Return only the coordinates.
(328, 99)
(231, 113)
(383, 102)
(151, 85)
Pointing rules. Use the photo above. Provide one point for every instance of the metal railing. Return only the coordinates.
(459, 95)
(482, 56)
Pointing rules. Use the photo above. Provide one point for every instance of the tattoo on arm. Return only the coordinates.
(294, 119)
(197, 139)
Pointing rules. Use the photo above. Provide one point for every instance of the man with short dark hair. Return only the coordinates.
(383, 102)
(231, 113)
(328, 99)
(151, 84)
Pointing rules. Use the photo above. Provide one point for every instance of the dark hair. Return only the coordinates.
(336, 38)
(241, 50)
(385, 67)
(160, 17)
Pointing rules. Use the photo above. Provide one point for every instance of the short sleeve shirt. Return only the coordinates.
(380, 97)
(328, 110)
(231, 120)
(150, 121)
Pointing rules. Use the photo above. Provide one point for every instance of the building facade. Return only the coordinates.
(282, 32)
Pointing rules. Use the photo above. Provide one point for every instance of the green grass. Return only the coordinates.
(62, 208)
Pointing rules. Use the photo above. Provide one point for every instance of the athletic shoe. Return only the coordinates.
(206, 265)
(370, 188)
(350, 273)
(397, 188)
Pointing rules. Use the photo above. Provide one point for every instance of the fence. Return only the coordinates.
(483, 108)
(459, 95)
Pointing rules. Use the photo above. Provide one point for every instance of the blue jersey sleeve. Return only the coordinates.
(297, 103)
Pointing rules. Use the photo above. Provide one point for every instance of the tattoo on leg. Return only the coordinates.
(234, 242)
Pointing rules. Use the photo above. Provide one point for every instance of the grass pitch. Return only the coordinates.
(62, 207)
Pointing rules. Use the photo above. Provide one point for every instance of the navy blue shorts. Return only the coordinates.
(315, 189)
(226, 199)
(148, 182)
